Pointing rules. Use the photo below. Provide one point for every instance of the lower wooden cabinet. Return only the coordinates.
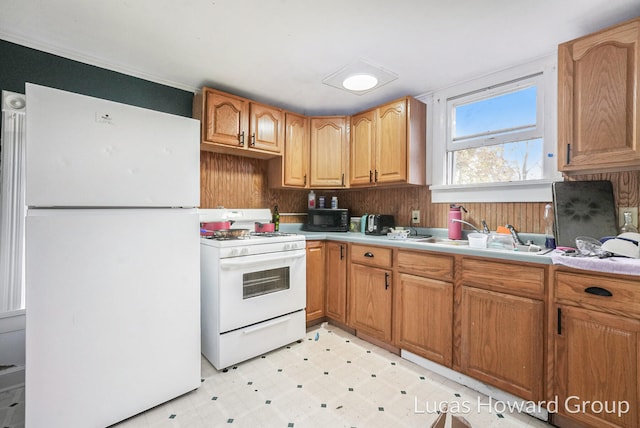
(597, 350)
(502, 341)
(501, 336)
(424, 321)
(423, 308)
(336, 281)
(315, 280)
(370, 291)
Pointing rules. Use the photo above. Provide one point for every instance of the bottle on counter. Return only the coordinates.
(321, 202)
(549, 238)
(312, 200)
(628, 223)
(276, 219)
(334, 202)
(454, 227)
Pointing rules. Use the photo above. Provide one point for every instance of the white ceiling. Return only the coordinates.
(279, 51)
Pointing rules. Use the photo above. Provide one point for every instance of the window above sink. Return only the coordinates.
(494, 138)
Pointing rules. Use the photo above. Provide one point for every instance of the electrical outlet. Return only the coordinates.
(634, 215)
(415, 217)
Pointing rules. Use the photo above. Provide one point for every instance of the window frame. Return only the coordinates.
(544, 72)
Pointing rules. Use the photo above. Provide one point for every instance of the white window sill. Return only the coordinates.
(534, 191)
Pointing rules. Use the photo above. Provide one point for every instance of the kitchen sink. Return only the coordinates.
(442, 241)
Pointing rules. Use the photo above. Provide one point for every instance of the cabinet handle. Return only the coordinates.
(559, 322)
(241, 139)
(568, 153)
(598, 291)
(368, 254)
(386, 280)
(376, 179)
(370, 176)
(341, 252)
(343, 179)
(305, 179)
(253, 140)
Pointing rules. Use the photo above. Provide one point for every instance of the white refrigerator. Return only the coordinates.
(112, 259)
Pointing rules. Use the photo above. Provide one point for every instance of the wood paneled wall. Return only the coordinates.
(239, 182)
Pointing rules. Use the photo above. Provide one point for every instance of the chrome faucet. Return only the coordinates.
(455, 220)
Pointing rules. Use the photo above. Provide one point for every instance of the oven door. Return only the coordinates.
(260, 287)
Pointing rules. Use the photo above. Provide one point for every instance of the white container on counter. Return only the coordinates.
(477, 240)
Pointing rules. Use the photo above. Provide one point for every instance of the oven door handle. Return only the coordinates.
(266, 325)
(252, 260)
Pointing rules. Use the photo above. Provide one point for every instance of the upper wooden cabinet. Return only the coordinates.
(388, 144)
(328, 154)
(292, 169)
(236, 125)
(599, 101)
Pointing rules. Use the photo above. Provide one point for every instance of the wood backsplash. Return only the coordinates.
(239, 182)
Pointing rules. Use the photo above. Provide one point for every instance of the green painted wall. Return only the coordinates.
(19, 64)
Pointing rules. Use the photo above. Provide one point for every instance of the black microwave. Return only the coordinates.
(327, 220)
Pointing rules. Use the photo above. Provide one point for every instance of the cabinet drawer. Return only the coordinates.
(504, 276)
(374, 256)
(426, 264)
(615, 295)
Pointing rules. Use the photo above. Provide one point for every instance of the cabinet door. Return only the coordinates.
(315, 280)
(424, 317)
(336, 281)
(296, 150)
(391, 143)
(267, 128)
(370, 301)
(328, 151)
(598, 114)
(362, 161)
(226, 119)
(502, 341)
(597, 360)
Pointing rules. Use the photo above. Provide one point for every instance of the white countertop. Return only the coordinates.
(614, 265)
(360, 238)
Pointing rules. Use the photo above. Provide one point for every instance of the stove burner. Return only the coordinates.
(249, 236)
(271, 234)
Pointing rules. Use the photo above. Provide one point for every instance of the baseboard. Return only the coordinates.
(488, 390)
(11, 378)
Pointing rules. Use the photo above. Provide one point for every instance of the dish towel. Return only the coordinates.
(619, 265)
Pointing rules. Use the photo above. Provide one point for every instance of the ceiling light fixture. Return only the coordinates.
(360, 82)
(360, 77)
